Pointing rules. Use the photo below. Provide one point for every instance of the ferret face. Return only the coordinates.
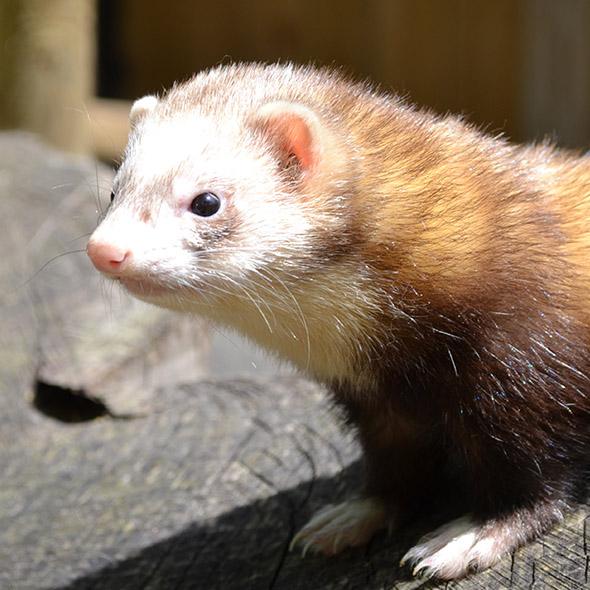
(238, 218)
(195, 217)
(240, 212)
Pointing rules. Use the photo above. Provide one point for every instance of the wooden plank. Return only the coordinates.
(556, 72)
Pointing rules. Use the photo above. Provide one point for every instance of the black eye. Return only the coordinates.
(205, 204)
(112, 196)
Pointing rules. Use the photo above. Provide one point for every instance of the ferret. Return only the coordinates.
(435, 279)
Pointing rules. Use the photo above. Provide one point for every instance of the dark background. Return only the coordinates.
(517, 66)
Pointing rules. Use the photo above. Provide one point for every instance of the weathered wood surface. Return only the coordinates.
(194, 486)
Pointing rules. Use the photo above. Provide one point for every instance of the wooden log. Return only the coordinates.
(200, 485)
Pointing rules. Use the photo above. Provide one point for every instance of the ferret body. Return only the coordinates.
(437, 280)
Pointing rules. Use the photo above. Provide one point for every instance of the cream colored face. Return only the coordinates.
(179, 257)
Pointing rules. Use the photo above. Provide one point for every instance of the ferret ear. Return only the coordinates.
(141, 107)
(294, 131)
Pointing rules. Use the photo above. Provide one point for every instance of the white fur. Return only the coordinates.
(459, 547)
(336, 527)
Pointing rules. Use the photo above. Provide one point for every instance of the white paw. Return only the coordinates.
(338, 526)
(458, 548)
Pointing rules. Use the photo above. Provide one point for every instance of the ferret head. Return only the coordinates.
(213, 196)
(230, 200)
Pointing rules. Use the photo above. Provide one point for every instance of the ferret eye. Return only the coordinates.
(112, 195)
(205, 204)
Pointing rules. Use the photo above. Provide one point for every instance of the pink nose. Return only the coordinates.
(107, 258)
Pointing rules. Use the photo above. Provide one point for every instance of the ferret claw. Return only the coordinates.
(336, 527)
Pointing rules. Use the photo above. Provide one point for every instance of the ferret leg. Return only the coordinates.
(338, 526)
(466, 545)
(397, 468)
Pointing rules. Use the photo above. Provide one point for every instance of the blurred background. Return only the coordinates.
(69, 68)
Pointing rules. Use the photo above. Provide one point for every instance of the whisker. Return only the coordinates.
(90, 120)
(50, 261)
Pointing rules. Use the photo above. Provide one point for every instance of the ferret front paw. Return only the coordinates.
(338, 526)
(459, 548)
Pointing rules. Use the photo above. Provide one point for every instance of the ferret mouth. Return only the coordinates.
(162, 292)
(144, 289)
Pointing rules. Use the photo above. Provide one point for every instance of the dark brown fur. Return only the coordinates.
(493, 361)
